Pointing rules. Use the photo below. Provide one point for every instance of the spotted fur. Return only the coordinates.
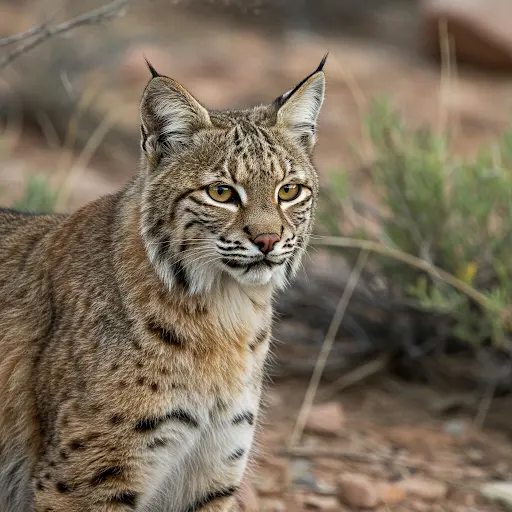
(134, 332)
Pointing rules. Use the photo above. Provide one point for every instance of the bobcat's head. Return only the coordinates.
(228, 194)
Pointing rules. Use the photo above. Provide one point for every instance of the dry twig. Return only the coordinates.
(409, 259)
(355, 376)
(37, 35)
(326, 349)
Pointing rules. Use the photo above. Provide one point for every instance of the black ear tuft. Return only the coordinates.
(153, 71)
(279, 102)
(322, 63)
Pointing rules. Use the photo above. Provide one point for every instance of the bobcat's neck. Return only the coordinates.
(228, 307)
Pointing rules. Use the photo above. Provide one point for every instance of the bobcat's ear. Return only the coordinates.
(169, 115)
(298, 109)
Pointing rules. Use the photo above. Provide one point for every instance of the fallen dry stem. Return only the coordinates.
(326, 348)
(355, 376)
(409, 259)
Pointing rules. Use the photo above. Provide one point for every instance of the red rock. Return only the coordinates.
(425, 488)
(326, 419)
(267, 505)
(273, 477)
(324, 503)
(390, 494)
(480, 30)
(358, 491)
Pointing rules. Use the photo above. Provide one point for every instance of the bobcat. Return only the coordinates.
(134, 332)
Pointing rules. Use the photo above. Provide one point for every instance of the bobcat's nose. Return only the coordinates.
(266, 241)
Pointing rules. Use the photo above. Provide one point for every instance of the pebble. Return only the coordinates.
(457, 429)
(301, 473)
(424, 488)
(500, 492)
(358, 491)
(324, 503)
(326, 419)
(390, 494)
(273, 478)
(267, 505)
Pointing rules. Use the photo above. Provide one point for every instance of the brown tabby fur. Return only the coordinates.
(132, 350)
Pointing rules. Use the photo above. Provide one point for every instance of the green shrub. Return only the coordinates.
(38, 196)
(454, 214)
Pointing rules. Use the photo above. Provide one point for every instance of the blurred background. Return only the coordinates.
(391, 377)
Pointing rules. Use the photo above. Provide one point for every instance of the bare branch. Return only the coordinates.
(41, 33)
(31, 32)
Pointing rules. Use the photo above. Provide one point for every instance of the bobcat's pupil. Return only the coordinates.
(221, 193)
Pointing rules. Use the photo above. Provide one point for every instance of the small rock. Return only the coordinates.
(325, 503)
(479, 29)
(427, 489)
(500, 492)
(273, 477)
(390, 494)
(326, 419)
(456, 428)
(272, 506)
(358, 491)
(301, 473)
(323, 487)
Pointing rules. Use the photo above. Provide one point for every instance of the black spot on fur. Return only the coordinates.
(234, 263)
(77, 445)
(180, 415)
(63, 455)
(116, 419)
(210, 498)
(63, 487)
(127, 498)
(238, 454)
(106, 474)
(141, 381)
(260, 337)
(244, 416)
(40, 486)
(167, 335)
(180, 275)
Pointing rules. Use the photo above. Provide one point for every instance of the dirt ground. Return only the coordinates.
(391, 440)
(388, 432)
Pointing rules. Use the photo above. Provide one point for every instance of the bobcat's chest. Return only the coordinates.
(207, 434)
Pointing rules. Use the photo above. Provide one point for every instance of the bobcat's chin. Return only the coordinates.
(258, 273)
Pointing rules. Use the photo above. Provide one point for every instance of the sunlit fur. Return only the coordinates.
(134, 332)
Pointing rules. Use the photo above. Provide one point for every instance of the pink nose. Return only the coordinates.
(266, 241)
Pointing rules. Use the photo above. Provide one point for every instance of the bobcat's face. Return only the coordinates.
(228, 193)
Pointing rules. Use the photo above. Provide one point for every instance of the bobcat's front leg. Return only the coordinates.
(111, 463)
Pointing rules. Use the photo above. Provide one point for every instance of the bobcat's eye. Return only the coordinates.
(221, 193)
(289, 191)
